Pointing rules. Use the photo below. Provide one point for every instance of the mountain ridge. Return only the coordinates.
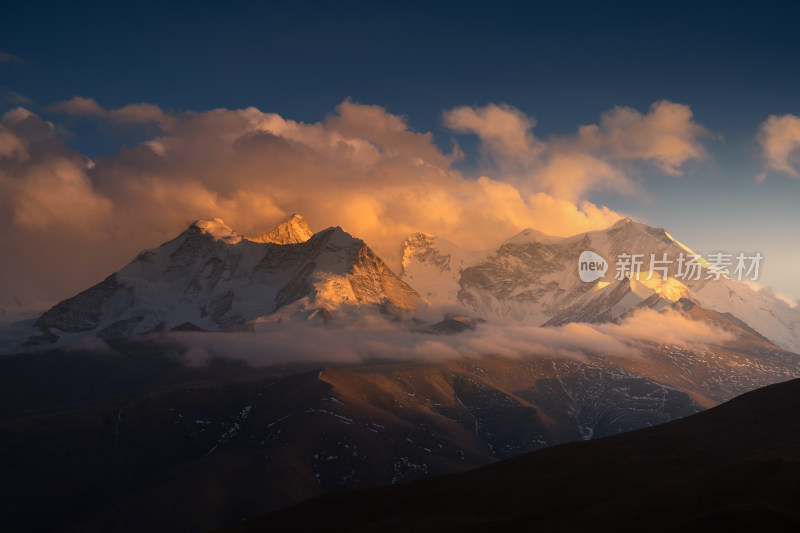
(731, 468)
(211, 277)
(532, 279)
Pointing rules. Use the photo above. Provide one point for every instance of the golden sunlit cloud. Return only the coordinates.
(667, 137)
(779, 138)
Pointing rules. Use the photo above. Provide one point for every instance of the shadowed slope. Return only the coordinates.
(733, 468)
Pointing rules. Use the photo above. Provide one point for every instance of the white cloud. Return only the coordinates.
(370, 338)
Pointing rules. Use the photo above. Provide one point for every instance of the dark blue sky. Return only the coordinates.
(564, 64)
(734, 64)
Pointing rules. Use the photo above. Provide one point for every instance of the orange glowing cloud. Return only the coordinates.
(596, 157)
(779, 138)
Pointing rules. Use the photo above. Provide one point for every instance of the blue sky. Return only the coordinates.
(733, 64)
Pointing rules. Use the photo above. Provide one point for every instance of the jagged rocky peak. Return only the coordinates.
(365, 278)
(293, 230)
(415, 244)
(419, 238)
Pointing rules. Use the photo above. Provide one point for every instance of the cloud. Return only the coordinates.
(370, 338)
(390, 133)
(54, 223)
(598, 156)
(129, 114)
(667, 136)
(70, 221)
(666, 327)
(505, 130)
(13, 97)
(779, 138)
(58, 195)
(5, 57)
(769, 292)
(11, 146)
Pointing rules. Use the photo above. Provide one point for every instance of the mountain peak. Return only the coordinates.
(529, 235)
(217, 229)
(336, 235)
(292, 230)
(624, 222)
(212, 278)
(296, 219)
(627, 226)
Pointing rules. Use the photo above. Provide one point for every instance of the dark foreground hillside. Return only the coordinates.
(735, 467)
(130, 436)
(132, 439)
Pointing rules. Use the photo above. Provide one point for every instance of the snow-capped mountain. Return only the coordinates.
(212, 278)
(533, 278)
(293, 230)
(433, 266)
